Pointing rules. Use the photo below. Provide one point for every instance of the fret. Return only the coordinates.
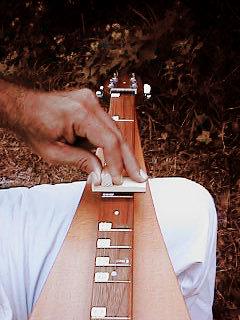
(113, 240)
(113, 257)
(100, 313)
(106, 244)
(113, 195)
(104, 226)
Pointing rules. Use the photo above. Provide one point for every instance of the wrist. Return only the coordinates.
(13, 104)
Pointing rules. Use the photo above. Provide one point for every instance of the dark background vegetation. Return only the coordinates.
(187, 50)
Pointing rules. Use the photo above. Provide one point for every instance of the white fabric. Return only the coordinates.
(187, 216)
(34, 223)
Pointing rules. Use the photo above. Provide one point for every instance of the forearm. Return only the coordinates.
(12, 105)
(51, 122)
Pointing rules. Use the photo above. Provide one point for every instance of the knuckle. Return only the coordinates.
(81, 113)
(87, 93)
(89, 97)
(86, 162)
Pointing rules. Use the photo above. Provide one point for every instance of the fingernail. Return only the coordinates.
(143, 174)
(118, 180)
(106, 179)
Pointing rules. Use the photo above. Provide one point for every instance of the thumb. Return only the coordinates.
(83, 159)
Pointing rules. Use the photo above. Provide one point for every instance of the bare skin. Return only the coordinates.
(51, 122)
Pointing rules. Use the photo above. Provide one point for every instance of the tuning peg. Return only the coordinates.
(147, 90)
(111, 84)
(115, 78)
(133, 78)
(99, 93)
(133, 81)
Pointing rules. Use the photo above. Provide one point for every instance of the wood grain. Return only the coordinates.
(123, 107)
(67, 292)
(118, 304)
(123, 220)
(116, 297)
(156, 293)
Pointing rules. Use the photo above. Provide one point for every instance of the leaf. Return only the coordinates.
(198, 46)
(204, 137)
(164, 135)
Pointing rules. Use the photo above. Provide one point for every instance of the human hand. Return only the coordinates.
(51, 123)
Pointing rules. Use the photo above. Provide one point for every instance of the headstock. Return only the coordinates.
(124, 84)
(123, 89)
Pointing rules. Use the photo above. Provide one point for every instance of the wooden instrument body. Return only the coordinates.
(68, 291)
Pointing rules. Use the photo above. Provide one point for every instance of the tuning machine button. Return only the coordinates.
(99, 93)
(147, 90)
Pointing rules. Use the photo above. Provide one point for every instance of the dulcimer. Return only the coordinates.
(113, 263)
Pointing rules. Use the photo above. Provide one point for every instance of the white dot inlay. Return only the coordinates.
(114, 273)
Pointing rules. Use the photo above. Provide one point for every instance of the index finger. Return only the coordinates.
(101, 136)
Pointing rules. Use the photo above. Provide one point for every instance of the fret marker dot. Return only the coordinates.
(116, 212)
(114, 273)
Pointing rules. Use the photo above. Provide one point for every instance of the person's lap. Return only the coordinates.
(187, 216)
(34, 223)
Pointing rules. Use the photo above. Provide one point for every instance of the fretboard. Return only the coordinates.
(113, 272)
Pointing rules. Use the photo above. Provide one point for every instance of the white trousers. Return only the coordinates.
(34, 222)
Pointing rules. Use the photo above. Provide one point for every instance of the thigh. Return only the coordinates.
(33, 225)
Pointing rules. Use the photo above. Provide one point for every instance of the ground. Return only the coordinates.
(189, 53)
